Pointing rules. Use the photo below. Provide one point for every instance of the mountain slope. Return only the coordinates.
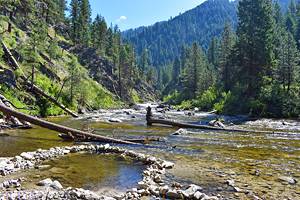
(164, 39)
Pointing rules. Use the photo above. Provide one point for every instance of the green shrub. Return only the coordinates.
(206, 100)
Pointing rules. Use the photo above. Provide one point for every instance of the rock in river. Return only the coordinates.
(114, 120)
(180, 132)
(289, 180)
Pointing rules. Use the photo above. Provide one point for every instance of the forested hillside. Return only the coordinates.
(49, 46)
(253, 70)
(164, 40)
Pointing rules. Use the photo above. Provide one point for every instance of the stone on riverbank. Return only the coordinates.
(26, 156)
(152, 174)
(45, 183)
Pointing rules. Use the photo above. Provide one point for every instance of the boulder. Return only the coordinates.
(56, 185)
(46, 182)
(191, 190)
(180, 132)
(198, 195)
(27, 156)
(115, 120)
(289, 180)
(173, 194)
(167, 165)
(163, 190)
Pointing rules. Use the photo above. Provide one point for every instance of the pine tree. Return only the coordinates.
(290, 23)
(75, 10)
(176, 71)
(144, 62)
(255, 44)
(109, 46)
(84, 22)
(226, 49)
(99, 34)
(278, 13)
(212, 53)
(61, 10)
(288, 61)
(195, 73)
(292, 8)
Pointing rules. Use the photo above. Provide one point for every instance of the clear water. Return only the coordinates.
(255, 161)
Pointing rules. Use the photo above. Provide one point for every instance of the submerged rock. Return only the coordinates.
(181, 132)
(289, 180)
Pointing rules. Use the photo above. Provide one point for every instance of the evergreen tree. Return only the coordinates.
(74, 15)
(226, 49)
(193, 68)
(288, 61)
(255, 44)
(290, 23)
(212, 53)
(292, 8)
(176, 71)
(84, 22)
(144, 62)
(99, 34)
(278, 13)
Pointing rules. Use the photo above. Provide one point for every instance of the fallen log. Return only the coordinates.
(67, 137)
(59, 128)
(151, 121)
(33, 87)
(10, 56)
(40, 92)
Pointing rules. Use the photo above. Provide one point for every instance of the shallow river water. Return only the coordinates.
(261, 165)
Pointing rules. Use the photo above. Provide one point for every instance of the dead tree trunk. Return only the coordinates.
(59, 128)
(40, 92)
(34, 88)
(151, 121)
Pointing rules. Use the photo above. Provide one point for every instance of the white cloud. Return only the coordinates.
(121, 18)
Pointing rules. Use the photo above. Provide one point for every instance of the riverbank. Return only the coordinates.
(152, 183)
(231, 165)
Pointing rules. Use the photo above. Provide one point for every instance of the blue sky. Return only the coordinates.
(134, 13)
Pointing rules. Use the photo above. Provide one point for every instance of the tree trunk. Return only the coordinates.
(59, 128)
(35, 89)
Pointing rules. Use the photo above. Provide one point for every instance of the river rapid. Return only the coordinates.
(233, 165)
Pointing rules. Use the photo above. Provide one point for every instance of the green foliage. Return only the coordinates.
(220, 105)
(18, 98)
(164, 40)
(135, 97)
(207, 99)
(173, 98)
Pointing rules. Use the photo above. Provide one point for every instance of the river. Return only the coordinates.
(260, 165)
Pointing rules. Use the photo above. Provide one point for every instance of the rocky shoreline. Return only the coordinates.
(152, 184)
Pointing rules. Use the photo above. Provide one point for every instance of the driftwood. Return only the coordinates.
(59, 128)
(151, 121)
(32, 87)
